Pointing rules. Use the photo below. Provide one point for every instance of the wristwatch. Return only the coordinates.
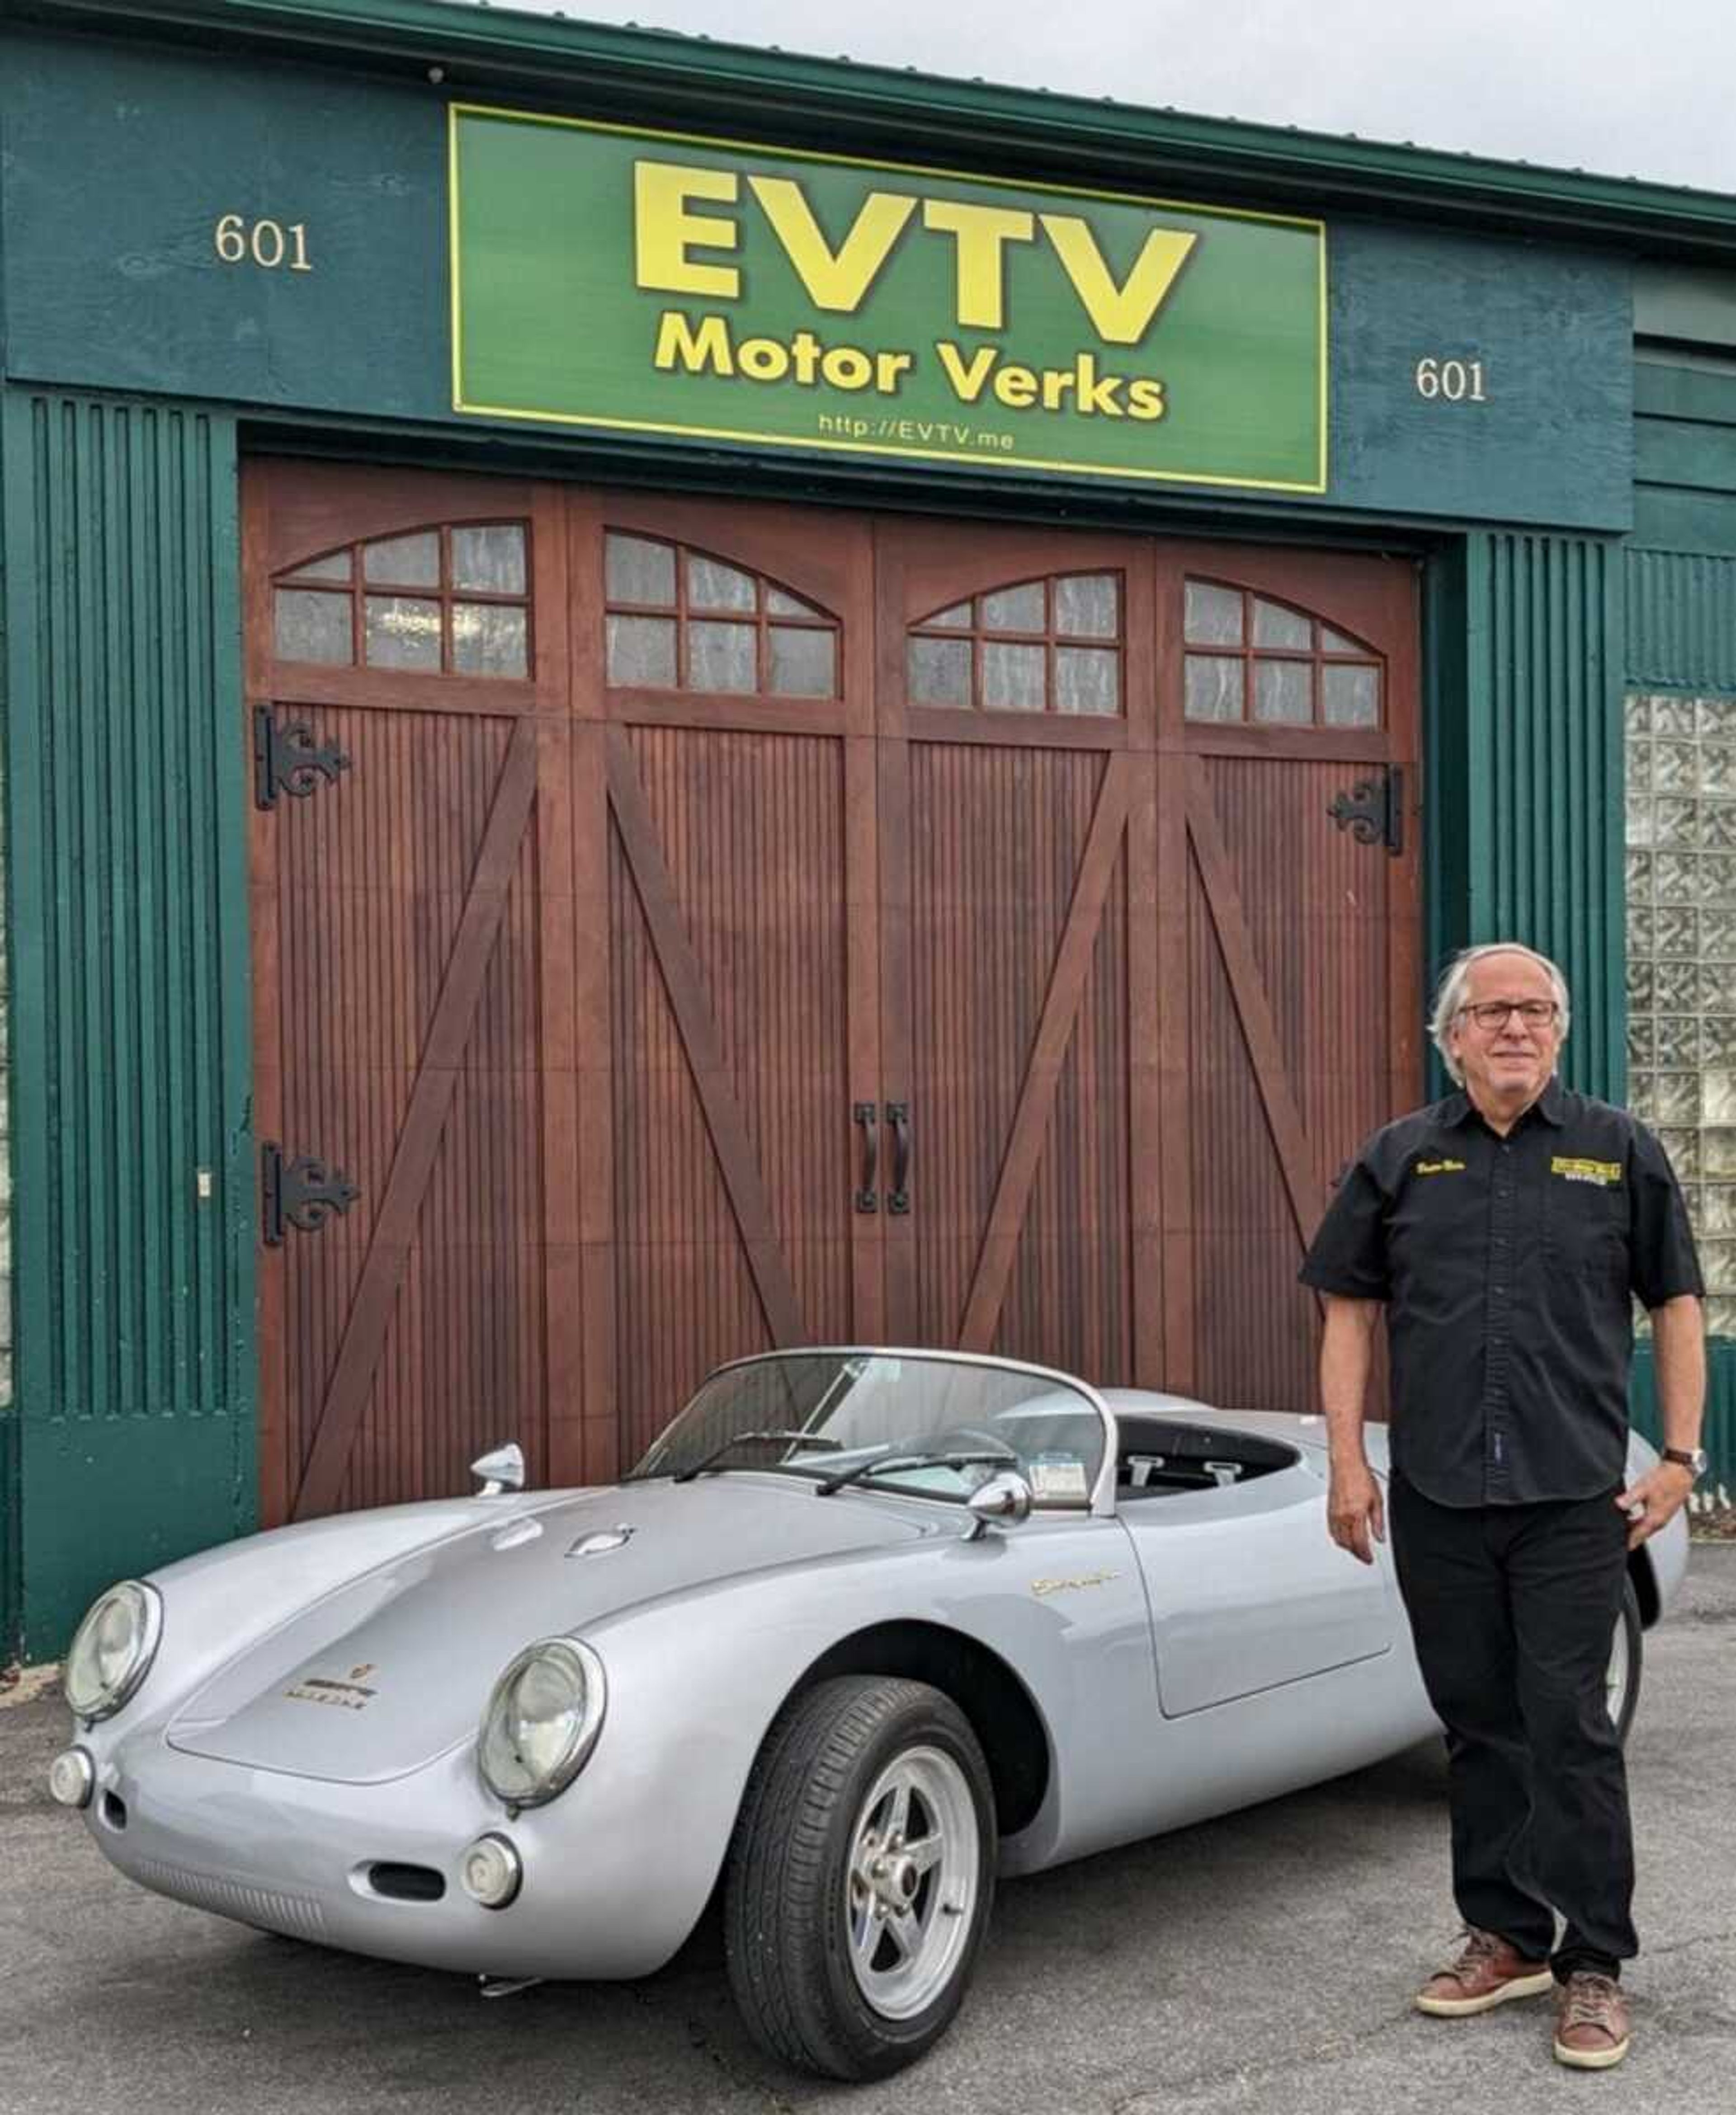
(1688, 1458)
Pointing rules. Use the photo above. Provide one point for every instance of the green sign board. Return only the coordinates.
(608, 277)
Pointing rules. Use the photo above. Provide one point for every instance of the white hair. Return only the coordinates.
(1449, 993)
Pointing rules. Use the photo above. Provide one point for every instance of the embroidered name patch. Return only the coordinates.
(1605, 1174)
(1439, 1168)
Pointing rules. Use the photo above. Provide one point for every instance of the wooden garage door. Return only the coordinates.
(1017, 832)
(731, 943)
(409, 862)
(1292, 1010)
(731, 926)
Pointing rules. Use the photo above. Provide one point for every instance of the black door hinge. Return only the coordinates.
(287, 760)
(1373, 810)
(302, 1193)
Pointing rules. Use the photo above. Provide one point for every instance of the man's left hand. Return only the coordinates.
(1661, 1494)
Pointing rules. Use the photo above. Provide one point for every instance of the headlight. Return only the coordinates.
(113, 1650)
(542, 1722)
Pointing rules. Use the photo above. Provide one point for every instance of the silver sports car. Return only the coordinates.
(865, 1631)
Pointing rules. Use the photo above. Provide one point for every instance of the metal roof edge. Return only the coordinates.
(1122, 141)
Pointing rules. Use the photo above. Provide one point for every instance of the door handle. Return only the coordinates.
(868, 1198)
(898, 1197)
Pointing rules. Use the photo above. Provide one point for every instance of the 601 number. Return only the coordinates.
(1458, 381)
(266, 243)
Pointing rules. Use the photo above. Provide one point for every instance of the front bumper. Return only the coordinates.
(603, 1897)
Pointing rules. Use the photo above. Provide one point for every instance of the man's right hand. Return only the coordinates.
(1356, 1518)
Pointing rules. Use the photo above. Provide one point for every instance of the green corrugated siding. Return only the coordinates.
(1524, 659)
(1525, 650)
(1681, 621)
(1719, 1440)
(136, 1375)
(11, 1580)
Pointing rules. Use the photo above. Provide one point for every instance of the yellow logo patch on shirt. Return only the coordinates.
(1439, 1168)
(1605, 1174)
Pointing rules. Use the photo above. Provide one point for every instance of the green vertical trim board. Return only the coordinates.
(1524, 657)
(127, 805)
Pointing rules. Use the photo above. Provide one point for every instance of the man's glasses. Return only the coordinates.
(1492, 1013)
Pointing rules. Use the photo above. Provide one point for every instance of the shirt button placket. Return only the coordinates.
(1498, 1313)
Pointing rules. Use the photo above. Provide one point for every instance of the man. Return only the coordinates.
(1505, 1230)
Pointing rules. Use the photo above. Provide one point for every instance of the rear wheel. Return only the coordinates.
(1622, 1679)
(860, 1878)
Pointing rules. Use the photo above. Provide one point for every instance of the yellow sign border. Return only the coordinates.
(455, 110)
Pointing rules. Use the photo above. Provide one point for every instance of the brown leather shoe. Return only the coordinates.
(1488, 1972)
(1590, 2021)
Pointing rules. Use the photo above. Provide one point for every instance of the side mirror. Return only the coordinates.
(502, 1470)
(1006, 1495)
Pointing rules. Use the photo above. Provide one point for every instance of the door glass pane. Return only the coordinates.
(1350, 696)
(1015, 678)
(722, 656)
(406, 561)
(940, 671)
(489, 638)
(955, 619)
(1284, 693)
(1214, 687)
(311, 627)
(642, 651)
(803, 663)
(635, 570)
(712, 585)
(780, 604)
(1015, 609)
(1276, 626)
(491, 557)
(1086, 605)
(335, 567)
(1213, 615)
(400, 633)
(1336, 642)
(1087, 680)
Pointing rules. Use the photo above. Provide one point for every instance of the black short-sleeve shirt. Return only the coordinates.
(1508, 1267)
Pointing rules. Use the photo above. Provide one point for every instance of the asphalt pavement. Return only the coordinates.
(1262, 1962)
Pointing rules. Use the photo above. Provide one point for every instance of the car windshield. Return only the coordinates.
(823, 1415)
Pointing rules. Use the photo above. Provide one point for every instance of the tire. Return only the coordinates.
(1626, 1654)
(834, 1971)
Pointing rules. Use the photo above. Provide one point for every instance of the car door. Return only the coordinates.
(1247, 1591)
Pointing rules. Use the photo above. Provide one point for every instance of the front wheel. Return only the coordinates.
(860, 1878)
(1622, 1679)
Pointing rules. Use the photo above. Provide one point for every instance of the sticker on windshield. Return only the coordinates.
(1057, 1476)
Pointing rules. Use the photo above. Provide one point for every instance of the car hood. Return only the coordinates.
(392, 1668)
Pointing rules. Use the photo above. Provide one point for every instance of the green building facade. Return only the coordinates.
(231, 232)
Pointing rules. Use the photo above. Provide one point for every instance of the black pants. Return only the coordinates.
(1512, 1608)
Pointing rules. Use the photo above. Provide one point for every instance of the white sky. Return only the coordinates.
(1646, 87)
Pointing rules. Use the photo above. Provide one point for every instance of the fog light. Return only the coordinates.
(71, 1777)
(490, 1872)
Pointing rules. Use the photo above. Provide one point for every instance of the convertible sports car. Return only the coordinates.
(865, 1630)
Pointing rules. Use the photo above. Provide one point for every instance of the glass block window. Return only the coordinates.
(681, 620)
(1052, 645)
(1681, 839)
(1253, 662)
(451, 601)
